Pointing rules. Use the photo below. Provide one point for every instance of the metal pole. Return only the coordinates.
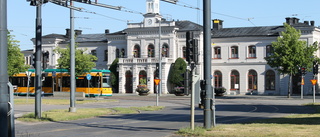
(157, 102)
(11, 100)
(302, 83)
(207, 63)
(192, 99)
(72, 62)
(160, 58)
(4, 96)
(38, 82)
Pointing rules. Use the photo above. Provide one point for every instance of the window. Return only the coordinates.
(269, 50)
(217, 53)
(184, 52)
(94, 52)
(234, 52)
(252, 80)
(117, 53)
(234, 80)
(270, 80)
(136, 51)
(252, 52)
(122, 54)
(165, 50)
(105, 55)
(151, 50)
(217, 79)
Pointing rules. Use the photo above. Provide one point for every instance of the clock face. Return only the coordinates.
(149, 21)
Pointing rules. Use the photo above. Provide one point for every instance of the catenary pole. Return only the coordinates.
(4, 96)
(72, 62)
(38, 50)
(160, 59)
(208, 113)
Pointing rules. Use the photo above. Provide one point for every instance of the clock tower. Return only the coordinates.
(152, 12)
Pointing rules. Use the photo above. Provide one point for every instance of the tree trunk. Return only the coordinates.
(289, 85)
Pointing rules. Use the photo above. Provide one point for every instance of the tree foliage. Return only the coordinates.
(114, 74)
(177, 71)
(16, 62)
(84, 62)
(290, 53)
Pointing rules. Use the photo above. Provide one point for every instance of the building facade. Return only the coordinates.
(237, 53)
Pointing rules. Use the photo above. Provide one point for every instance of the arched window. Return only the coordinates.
(217, 79)
(234, 52)
(269, 50)
(143, 78)
(136, 51)
(252, 80)
(165, 50)
(252, 52)
(270, 80)
(151, 50)
(234, 80)
(217, 53)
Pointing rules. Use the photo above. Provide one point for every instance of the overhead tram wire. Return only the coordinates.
(197, 8)
(124, 9)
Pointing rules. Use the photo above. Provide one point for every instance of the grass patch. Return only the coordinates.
(23, 101)
(302, 125)
(65, 115)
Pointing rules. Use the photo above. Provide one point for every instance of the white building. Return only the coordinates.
(237, 62)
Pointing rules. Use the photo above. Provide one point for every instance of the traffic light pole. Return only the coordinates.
(38, 50)
(4, 95)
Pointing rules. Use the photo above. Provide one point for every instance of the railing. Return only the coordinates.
(144, 60)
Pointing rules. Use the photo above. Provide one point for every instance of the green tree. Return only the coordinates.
(16, 62)
(290, 53)
(114, 75)
(84, 62)
(177, 71)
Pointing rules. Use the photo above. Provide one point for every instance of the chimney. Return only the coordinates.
(217, 24)
(312, 22)
(295, 20)
(68, 33)
(78, 32)
(106, 31)
(306, 22)
(289, 20)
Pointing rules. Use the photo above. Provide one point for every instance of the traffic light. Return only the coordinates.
(315, 68)
(157, 71)
(202, 93)
(189, 43)
(45, 59)
(34, 60)
(37, 2)
(195, 51)
(187, 81)
(303, 71)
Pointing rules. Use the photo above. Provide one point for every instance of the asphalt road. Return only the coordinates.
(229, 109)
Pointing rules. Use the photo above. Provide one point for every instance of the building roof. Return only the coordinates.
(247, 32)
(81, 38)
(188, 26)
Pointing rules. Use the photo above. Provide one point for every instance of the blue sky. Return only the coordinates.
(234, 13)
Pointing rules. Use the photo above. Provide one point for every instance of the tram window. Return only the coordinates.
(105, 83)
(47, 82)
(82, 83)
(66, 81)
